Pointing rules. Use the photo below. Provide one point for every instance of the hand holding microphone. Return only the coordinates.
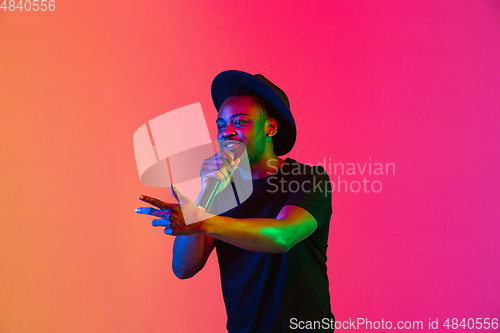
(216, 173)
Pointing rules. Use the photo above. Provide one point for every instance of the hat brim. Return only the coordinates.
(284, 139)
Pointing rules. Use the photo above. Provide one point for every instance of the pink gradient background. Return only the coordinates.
(412, 83)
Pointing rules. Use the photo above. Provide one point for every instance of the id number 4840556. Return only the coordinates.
(471, 323)
(29, 5)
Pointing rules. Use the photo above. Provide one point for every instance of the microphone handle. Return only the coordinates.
(209, 193)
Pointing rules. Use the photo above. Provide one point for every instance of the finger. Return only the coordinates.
(155, 202)
(225, 165)
(221, 175)
(153, 212)
(224, 153)
(173, 230)
(165, 224)
(146, 210)
(228, 155)
(217, 164)
(161, 223)
(217, 173)
(174, 194)
(236, 163)
(227, 152)
(229, 169)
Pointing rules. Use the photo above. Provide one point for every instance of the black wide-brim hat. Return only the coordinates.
(284, 139)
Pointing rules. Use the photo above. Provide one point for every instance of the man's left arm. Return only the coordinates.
(292, 225)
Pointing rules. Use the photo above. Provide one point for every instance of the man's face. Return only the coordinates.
(240, 122)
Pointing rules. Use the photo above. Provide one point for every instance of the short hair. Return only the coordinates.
(266, 110)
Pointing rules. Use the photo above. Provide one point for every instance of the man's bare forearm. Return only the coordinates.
(190, 254)
(263, 234)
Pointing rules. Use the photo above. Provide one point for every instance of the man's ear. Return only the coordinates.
(272, 127)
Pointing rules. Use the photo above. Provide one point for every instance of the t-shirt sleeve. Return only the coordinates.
(313, 192)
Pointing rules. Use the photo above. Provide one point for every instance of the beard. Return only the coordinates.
(256, 149)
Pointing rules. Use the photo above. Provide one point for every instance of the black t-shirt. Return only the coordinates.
(266, 292)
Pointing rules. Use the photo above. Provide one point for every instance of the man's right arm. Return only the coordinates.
(190, 254)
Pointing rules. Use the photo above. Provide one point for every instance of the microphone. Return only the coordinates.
(208, 195)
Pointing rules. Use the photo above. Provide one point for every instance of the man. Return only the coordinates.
(272, 246)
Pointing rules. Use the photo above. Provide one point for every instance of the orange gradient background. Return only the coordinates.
(411, 83)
